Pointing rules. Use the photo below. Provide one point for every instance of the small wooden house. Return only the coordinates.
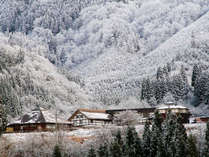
(176, 109)
(38, 120)
(86, 117)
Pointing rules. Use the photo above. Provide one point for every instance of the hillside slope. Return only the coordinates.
(105, 46)
(28, 80)
(120, 73)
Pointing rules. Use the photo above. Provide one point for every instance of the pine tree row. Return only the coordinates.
(157, 90)
(162, 139)
(200, 82)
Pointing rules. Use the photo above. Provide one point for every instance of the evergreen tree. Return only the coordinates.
(174, 137)
(159, 73)
(156, 136)
(160, 90)
(116, 147)
(201, 88)
(168, 65)
(192, 148)
(183, 74)
(206, 100)
(138, 146)
(168, 98)
(206, 146)
(180, 138)
(165, 72)
(103, 150)
(147, 90)
(196, 73)
(132, 144)
(57, 152)
(146, 140)
(143, 89)
(91, 152)
(179, 87)
(3, 118)
(168, 132)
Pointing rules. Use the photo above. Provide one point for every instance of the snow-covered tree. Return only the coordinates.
(196, 73)
(192, 146)
(91, 152)
(206, 145)
(160, 90)
(103, 150)
(146, 140)
(127, 118)
(159, 74)
(132, 143)
(116, 147)
(3, 118)
(57, 152)
(156, 146)
(179, 87)
(201, 88)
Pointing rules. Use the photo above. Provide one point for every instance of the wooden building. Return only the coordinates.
(86, 117)
(202, 119)
(143, 112)
(38, 120)
(35, 127)
(176, 109)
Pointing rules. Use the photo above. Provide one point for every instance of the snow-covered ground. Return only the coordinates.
(197, 129)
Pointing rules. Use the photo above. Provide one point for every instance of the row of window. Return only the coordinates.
(88, 122)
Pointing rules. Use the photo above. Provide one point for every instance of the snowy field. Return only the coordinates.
(197, 129)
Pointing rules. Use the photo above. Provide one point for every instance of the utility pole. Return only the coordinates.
(56, 128)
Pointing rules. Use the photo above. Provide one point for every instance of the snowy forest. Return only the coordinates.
(103, 54)
(65, 54)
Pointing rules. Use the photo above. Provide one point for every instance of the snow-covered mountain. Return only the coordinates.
(28, 80)
(121, 72)
(118, 44)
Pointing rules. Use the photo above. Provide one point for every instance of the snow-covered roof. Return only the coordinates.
(171, 107)
(96, 115)
(50, 117)
(39, 115)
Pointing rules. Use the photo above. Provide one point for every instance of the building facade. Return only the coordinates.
(176, 109)
(38, 120)
(145, 114)
(202, 119)
(86, 117)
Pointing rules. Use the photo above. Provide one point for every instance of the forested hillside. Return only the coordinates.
(29, 80)
(106, 46)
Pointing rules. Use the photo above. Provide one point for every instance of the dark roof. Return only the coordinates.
(111, 111)
(202, 117)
